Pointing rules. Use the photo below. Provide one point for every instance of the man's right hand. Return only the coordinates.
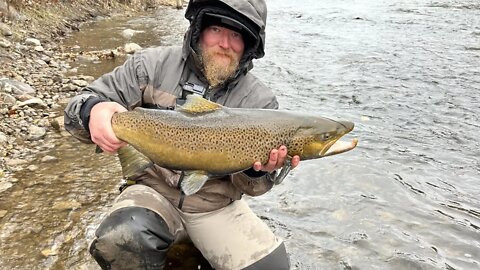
(100, 126)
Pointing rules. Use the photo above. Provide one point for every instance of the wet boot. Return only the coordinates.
(132, 238)
(277, 260)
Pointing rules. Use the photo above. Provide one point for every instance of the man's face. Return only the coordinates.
(221, 51)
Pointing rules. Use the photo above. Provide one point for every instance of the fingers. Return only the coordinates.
(282, 155)
(101, 128)
(295, 161)
(276, 160)
(108, 142)
(271, 164)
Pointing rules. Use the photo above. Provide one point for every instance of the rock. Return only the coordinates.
(69, 87)
(89, 79)
(32, 168)
(36, 133)
(5, 186)
(23, 97)
(5, 43)
(76, 48)
(66, 205)
(49, 252)
(5, 30)
(15, 87)
(3, 138)
(49, 159)
(33, 42)
(39, 49)
(3, 213)
(132, 48)
(33, 103)
(80, 83)
(58, 123)
(15, 162)
(129, 33)
(7, 100)
(41, 62)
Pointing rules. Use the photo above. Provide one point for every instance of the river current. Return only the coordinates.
(408, 197)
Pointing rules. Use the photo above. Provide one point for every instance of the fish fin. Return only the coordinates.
(197, 104)
(193, 182)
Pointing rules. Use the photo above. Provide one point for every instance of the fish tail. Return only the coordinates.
(132, 161)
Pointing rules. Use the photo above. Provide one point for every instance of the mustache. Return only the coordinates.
(224, 53)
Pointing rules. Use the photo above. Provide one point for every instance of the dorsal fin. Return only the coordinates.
(197, 104)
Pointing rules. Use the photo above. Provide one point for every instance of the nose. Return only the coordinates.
(224, 41)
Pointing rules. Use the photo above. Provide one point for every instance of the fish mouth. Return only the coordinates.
(338, 147)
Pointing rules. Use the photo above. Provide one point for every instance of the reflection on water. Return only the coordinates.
(406, 72)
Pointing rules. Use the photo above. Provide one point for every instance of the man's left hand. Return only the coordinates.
(276, 160)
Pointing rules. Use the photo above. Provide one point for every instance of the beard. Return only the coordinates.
(219, 65)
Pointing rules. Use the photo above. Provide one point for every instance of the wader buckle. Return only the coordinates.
(195, 89)
(126, 183)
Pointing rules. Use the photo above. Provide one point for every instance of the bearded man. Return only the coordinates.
(152, 213)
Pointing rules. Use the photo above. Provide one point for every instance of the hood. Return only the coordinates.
(252, 14)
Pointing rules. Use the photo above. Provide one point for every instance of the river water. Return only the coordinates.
(406, 72)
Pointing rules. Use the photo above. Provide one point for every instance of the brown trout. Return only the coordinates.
(206, 139)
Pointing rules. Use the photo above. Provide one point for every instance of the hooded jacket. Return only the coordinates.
(156, 77)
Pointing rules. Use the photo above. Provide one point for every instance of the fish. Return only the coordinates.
(205, 139)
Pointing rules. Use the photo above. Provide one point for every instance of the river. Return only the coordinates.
(407, 72)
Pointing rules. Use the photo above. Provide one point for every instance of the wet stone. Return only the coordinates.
(16, 162)
(66, 205)
(4, 186)
(33, 42)
(49, 159)
(32, 168)
(3, 138)
(80, 83)
(5, 30)
(49, 252)
(5, 43)
(34, 103)
(36, 133)
(7, 100)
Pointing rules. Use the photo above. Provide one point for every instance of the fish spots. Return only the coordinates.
(223, 141)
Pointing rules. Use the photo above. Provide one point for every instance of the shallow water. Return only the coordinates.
(406, 72)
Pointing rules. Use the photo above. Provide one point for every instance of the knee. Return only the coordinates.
(132, 236)
(277, 259)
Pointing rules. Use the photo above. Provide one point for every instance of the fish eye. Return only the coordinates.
(324, 136)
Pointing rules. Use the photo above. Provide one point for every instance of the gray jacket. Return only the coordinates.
(155, 77)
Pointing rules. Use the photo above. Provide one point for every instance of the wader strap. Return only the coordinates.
(182, 194)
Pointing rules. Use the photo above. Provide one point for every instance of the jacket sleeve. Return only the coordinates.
(123, 85)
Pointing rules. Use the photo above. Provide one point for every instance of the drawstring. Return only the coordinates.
(182, 194)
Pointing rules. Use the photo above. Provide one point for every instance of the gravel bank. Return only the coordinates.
(36, 74)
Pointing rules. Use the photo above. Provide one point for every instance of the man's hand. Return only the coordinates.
(100, 126)
(276, 160)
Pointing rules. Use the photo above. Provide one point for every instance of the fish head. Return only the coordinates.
(323, 138)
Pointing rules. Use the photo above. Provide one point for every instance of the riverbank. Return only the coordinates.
(36, 74)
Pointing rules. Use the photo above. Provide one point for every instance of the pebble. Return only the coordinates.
(5, 186)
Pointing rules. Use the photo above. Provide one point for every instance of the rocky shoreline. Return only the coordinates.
(36, 81)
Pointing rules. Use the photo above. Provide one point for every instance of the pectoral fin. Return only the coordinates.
(193, 182)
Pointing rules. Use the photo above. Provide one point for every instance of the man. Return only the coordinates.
(147, 217)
